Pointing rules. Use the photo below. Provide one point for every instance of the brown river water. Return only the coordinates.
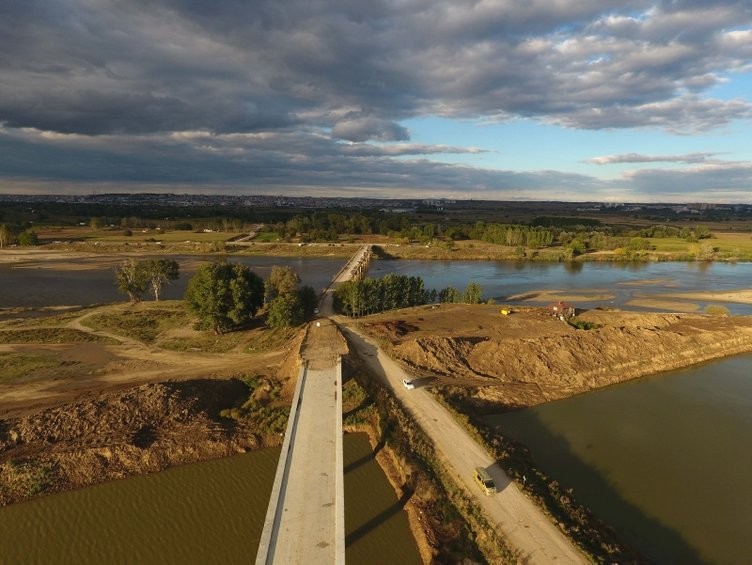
(211, 512)
(666, 459)
(663, 459)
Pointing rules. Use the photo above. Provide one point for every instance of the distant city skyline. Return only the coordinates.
(590, 100)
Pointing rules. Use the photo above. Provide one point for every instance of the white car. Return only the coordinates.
(409, 385)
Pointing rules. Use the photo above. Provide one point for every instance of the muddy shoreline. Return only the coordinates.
(113, 435)
(489, 363)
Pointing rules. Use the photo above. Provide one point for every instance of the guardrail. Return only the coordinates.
(265, 554)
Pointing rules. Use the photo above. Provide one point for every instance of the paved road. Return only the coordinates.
(309, 517)
(305, 519)
(526, 528)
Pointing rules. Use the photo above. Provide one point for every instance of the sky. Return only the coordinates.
(579, 100)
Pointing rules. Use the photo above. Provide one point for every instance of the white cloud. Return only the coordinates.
(639, 158)
(257, 92)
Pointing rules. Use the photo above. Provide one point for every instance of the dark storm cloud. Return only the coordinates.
(363, 129)
(261, 161)
(232, 65)
(707, 180)
(140, 74)
(300, 162)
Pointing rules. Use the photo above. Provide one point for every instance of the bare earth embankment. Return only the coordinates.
(79, 405)
(109, 436)
(100, 408)
(530, 357)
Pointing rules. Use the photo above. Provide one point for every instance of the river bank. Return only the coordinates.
(482, 361)
(724, 247)
(530, 357)
(107, 436)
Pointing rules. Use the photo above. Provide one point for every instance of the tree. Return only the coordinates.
(472, 294)
(27, 238)
(367, 296)
(97, 223)
(131, 279)
(282, 281)
(288, 306)
(308, 301)
(449, 295)
(160, 272)
(285, 311)
(6, 235)
(224, 295)
(577, 246)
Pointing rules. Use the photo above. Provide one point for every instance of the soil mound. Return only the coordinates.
(108, 436)
(530, 357)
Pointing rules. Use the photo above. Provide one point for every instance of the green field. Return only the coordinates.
(266, 237)
(144, 321)
(16, 365)
(725, 245)
(166, 237)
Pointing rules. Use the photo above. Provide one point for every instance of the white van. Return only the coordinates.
(484, 480)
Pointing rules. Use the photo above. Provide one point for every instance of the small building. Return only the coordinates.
(562, 310)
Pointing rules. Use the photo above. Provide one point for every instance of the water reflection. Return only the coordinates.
(86, 285)
(376, 527)
(664, 544)
(626, 281)
(86, 282)
(663, 459)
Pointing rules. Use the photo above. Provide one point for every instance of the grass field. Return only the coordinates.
(16, 365)
(51, 335)
(266, 237)
(168, 324)
(724, 245)
(144, 321)
(48, 235)
(165, 237)
(727, 241)
(728, 245)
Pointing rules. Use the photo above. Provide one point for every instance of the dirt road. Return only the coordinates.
(522, 523)
(92, 366)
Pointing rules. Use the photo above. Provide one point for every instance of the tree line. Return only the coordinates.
(11, 234)
(370, 295)
(223, 296)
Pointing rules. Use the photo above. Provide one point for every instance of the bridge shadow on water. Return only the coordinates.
(380, 518)
(653, 540)
(366, 458)
(376, 526)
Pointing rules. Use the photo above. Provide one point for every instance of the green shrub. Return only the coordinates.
(582, 324)
(716, 310)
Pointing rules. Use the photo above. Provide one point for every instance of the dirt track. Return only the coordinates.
(111, 409)
(99, 367)
(109, 418)
(530, 357)
(522, 523)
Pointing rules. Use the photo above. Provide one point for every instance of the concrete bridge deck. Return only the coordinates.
(305, 520)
